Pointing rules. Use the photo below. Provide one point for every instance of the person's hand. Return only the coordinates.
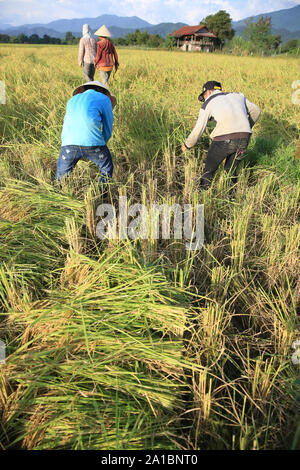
(116, 66)
(184, 148)
(113, 100)
(80, 64)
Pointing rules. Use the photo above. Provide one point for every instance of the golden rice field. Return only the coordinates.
(141, 344)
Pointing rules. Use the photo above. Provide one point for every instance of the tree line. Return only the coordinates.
(257, 37)
(143, 38)
(36, 39)
(136, 38)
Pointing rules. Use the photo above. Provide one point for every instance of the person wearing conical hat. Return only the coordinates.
(107, 57)
(87, 53)
(87, 128)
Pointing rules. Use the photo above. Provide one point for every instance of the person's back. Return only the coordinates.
(107, 57)
(87, 52)
(88, 49)
(86, 130)
(230, 112)
(88, 120)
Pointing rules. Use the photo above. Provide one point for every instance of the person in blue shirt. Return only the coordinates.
(87, 128)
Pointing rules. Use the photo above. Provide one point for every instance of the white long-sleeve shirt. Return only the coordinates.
(233, 113)
(87, 50)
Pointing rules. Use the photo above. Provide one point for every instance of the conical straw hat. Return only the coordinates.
(95, 83)
(103, 31)
(81, 89)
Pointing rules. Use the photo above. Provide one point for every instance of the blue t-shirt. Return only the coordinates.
(88, 120)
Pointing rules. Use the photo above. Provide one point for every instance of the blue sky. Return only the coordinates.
(155, 11)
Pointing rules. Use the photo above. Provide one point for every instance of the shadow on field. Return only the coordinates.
(273, 134)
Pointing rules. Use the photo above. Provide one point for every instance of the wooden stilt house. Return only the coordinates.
(196, 38)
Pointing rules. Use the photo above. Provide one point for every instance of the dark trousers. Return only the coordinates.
(88, 71)
(232, 150)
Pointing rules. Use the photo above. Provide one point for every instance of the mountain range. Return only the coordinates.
(118, 26)
(285, 22)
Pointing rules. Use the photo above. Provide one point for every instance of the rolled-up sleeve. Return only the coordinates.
(253, 112)
(198, 129)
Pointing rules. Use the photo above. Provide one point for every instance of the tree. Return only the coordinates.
(55, 41)
(46, 39)
(275, 41)
(220, 25)
(291, 46)
(259, 34)
(154, 40)
(22, 38)
(34, 39)
(120, 41)
(137, 38)
(69, 37)
(4, 38)
(13, 39)
(170, 42)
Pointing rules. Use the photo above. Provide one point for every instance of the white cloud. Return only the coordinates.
(256, 7)
(154, 11)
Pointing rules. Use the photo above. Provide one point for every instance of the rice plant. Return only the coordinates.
(142, 344)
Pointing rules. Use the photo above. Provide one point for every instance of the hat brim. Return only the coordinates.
(81, 88)
(103, 32)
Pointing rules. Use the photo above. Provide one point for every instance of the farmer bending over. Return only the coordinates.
(87, 127)
(235, 116)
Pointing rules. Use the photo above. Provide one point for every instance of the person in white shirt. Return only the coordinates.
(86, 53)
(235, 116)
